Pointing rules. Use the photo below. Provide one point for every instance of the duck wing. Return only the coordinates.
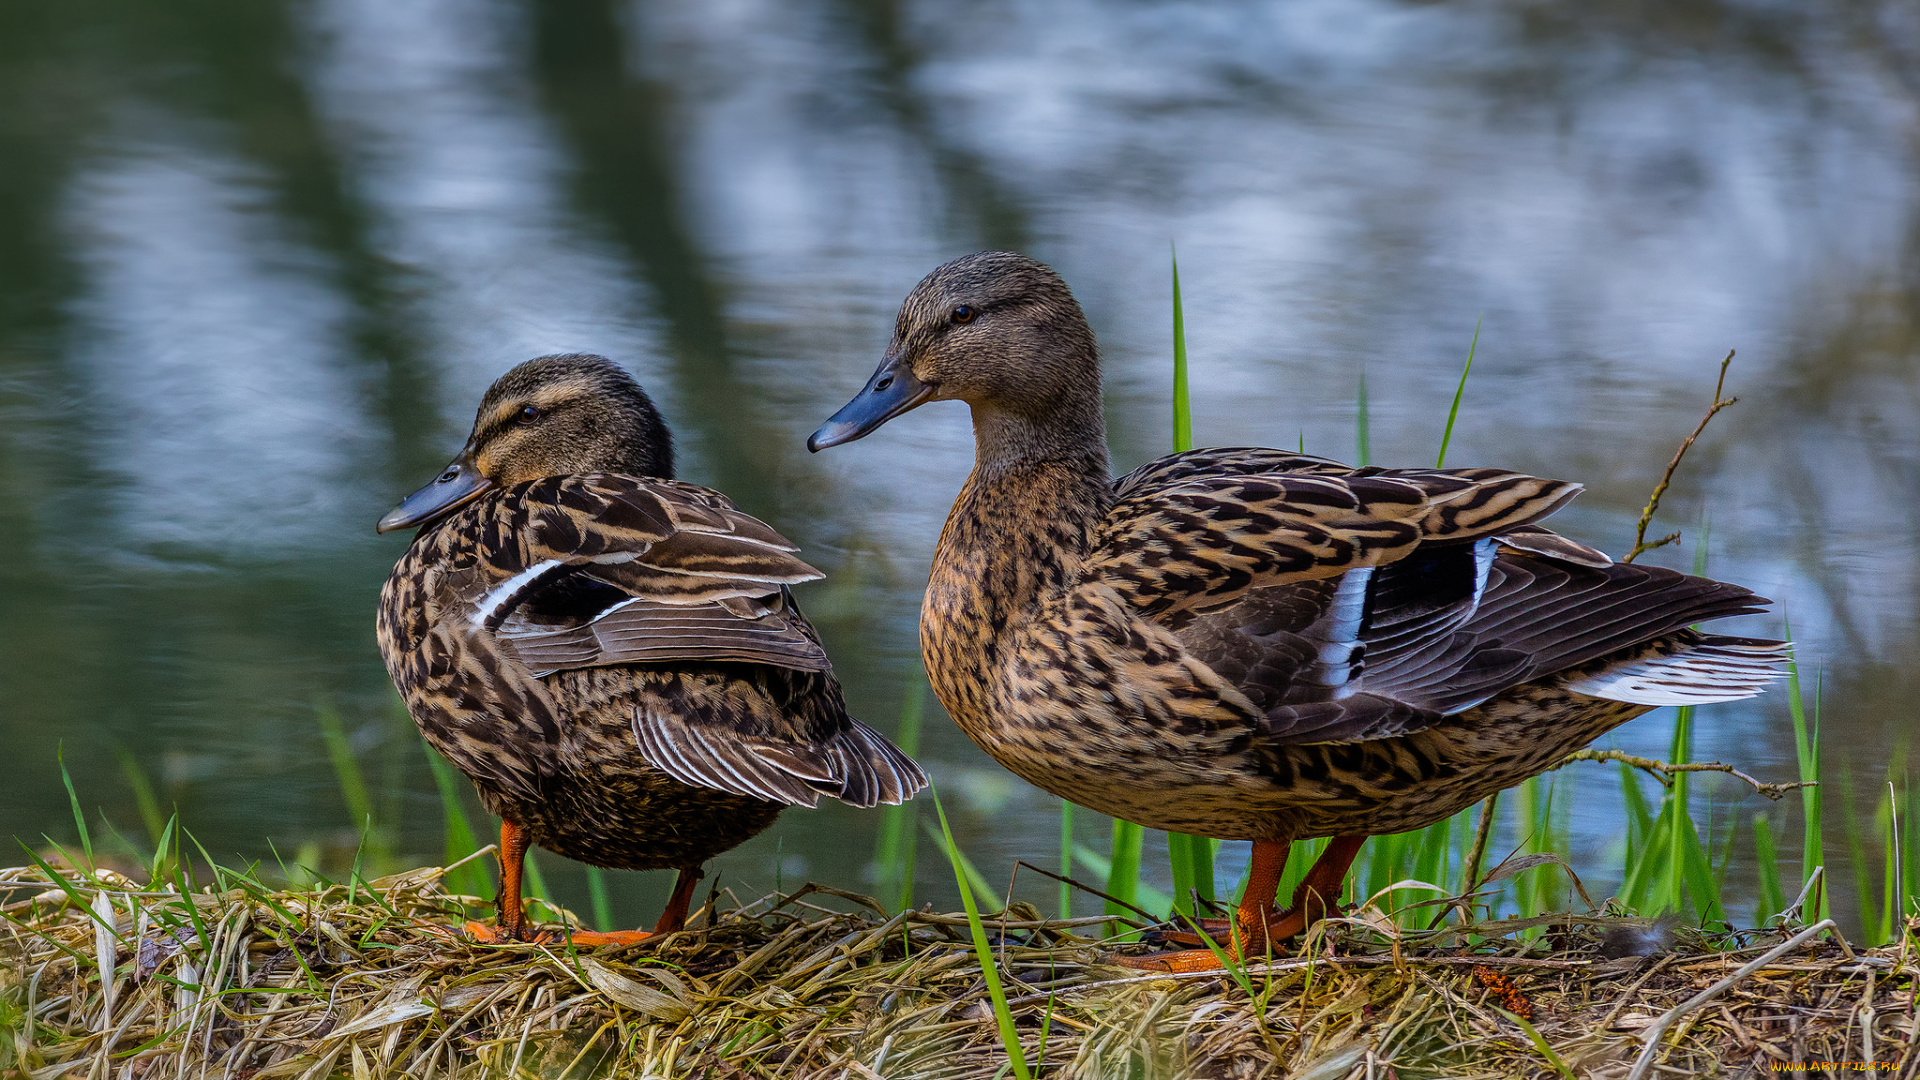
(602, 570)
(1203, 529)
(596, 570)
(1224, 461)
(1349, 604)
(1391, 650)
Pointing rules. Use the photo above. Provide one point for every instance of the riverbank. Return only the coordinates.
(364, 980)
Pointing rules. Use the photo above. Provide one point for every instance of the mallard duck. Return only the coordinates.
(612, 656)
(1251, 644)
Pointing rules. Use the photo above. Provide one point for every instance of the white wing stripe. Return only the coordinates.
(504, 593)
(1340, 656)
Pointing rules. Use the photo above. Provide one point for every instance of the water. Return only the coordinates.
(258, 260)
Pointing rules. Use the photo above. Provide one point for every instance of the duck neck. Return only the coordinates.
(1022, 526)
(1041, 484)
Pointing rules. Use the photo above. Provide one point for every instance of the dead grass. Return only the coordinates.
(363, 982)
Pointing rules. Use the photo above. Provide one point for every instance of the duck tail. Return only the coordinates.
(875, 771)
(1688, 668)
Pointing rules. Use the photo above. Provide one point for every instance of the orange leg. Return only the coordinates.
(512, 924)
(513, 917)
(1260, 924)
(673, 918)
(675, 915)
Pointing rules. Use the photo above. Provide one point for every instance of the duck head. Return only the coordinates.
(1000, 332)
(551, 416)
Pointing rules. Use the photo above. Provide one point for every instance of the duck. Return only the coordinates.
(612, 656)
(1253, 644)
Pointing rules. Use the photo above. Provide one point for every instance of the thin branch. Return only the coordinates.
(1084, 887)
(1662, 771)
(1640, 544)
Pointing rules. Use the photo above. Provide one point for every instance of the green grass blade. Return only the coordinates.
(1888, 820)
(375, 845)
(598, 895)
(978, 880)
(74, 895)
(1432, 853)
(353, 785)
(162, 849)
(1066, 857)
(536, 884)
(1526, 822)
(1863, 891)
(1362, 428)
(1639, 818)
(73, 800)
(1647, 886)
(909, 850)
(897, 844)
(183, 882)
(1773, 899)
(1910, 851)
(1180, 858)
(1540, 1044)
(460, 841)
(1724, 860)
(1695, 868)
(1806, 743)
(1182, 410)
(1190, 856)
(1229, 962)
(1697, 871)
(1300, 857)
(221, 877)
(989, 968)
(143, 793)
(1099, 866)
(1123, 865)
(1459, 392)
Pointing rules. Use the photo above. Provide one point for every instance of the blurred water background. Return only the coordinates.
(258, 258)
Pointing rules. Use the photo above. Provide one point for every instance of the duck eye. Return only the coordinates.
(530, 413)
(963, 314)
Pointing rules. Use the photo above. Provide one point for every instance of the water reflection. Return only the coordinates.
(211, 343)
(434, 114)
(259, 259)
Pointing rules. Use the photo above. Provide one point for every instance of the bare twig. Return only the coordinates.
(1640, 545)
(1083, 887)
(1663, 771)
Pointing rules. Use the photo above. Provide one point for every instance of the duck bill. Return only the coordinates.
(892, 391)
(459, 485)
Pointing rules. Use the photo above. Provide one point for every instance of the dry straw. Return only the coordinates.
(365, 981)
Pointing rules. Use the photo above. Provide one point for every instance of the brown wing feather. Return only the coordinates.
(637, 632)
(1431, 635)
(1196, 532)
(854, 763)
(1358, 603)
(618, 570)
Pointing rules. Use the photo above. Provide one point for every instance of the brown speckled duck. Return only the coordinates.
(1251, 644)
(610, 655)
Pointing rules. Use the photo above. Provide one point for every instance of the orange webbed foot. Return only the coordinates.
(487, 934)
(589, 938)
(1178, 961)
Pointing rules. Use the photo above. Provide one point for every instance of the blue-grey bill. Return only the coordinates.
(458, 485)
(892, 391)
